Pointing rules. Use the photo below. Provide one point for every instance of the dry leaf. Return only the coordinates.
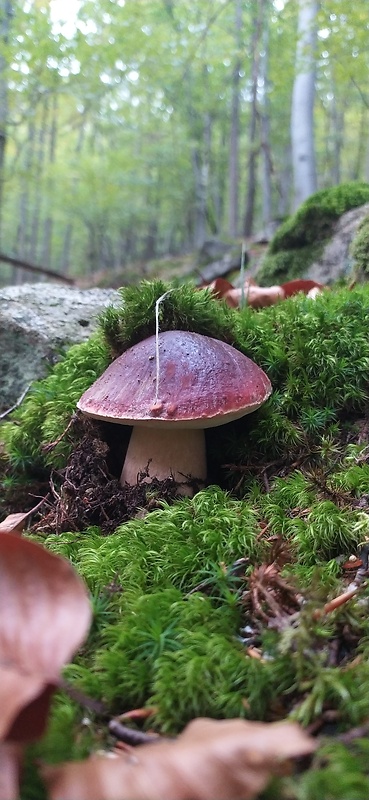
(44, 617)
(10, 759)
(304, 285)
(255, 296)
(210, 760)
(14, 523)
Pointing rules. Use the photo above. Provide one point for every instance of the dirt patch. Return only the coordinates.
(87, 492)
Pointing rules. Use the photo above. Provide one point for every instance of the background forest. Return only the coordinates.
(134, 129)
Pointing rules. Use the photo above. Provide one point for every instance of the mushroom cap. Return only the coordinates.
(203, 382)
(304, 285)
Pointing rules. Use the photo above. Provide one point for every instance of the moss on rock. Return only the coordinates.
(298, 241)
(360, 251)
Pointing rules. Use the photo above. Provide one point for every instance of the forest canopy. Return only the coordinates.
(134, 129)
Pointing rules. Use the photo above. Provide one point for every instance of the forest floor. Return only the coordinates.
(248, 600)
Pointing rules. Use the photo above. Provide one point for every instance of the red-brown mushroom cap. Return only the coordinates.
(203, 382)
(304, 285)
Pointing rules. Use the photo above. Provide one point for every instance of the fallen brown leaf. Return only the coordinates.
(14, 523)
(10, 759)
(210, 760)
(255, 296)
(44, 617)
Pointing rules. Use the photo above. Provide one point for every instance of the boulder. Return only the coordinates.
(335, 261)
(38, 322)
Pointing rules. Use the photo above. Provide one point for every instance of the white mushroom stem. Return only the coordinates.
(164, 453)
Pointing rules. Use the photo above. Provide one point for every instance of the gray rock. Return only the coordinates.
(38, 322)
(335, 261)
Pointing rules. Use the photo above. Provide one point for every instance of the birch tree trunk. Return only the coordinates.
(6, 13)
(234, 143)
(257, 22)
(302, 111)
(266, 158)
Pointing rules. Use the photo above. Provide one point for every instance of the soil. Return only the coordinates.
(88, 492)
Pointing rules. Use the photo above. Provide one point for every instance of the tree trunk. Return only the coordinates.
(234, 144)
(336, 136)
(6, 13)
(37, 182)
(302, 112)
(68, 234)
(201, 169)
(252, 137)
(48, 224)
(22, 244)
(267, 166)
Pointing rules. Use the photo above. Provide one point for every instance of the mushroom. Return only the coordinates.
(255, 296)
(170, 388)
(305, 285)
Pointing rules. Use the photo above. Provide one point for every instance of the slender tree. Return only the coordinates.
(234, 141)
(253, 137)
(302, 111)
(6, 13)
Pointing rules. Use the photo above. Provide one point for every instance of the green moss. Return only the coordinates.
(48, 408)
(168, 606)
(298, 241)
(317, 374)
(183, 308)
(179, 545)
(338, 772)
(313, 219)
(360, 251)
(285, 265)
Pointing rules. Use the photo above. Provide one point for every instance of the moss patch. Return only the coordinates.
(185, 592)
(300, 239)
(360, 251)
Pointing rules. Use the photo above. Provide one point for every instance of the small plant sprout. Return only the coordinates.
(201, 382)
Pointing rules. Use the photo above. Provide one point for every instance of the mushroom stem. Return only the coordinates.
(163, 453)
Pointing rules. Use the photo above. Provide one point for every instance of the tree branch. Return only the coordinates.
(18, 262)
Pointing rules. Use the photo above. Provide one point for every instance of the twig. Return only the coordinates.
(335, 603)
(83, 699)
(50, 446)
(17, 262)
(16, 404)
(129, 735)
(361, 732)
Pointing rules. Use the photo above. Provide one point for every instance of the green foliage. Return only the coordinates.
(207, 676)
(317, 374)
(285, 265)
(338, 772)
(298, 241)
(178, 545)
(152, 626)
(183, 308)
(313, 219)
(317, 529)
(360, 251)
(48, 407)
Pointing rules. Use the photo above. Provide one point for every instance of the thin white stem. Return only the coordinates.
(242, 274)
(157, 306)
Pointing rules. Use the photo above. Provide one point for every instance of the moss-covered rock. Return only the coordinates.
(318, 374)
(300, 239)
(360, 251)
